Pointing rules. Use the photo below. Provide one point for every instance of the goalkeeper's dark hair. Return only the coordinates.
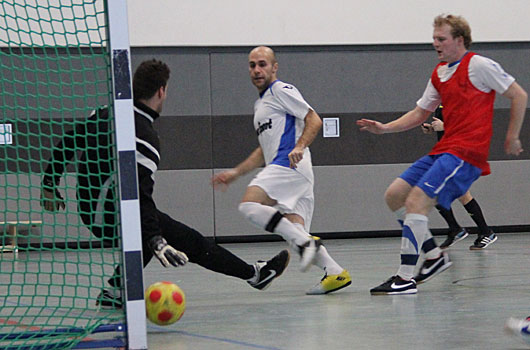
(150, 76)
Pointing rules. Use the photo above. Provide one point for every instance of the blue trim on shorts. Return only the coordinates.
(443, 176)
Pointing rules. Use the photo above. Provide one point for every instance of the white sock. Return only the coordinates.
(415, 228)
(324, 260)
(260, 215)
(400, 215)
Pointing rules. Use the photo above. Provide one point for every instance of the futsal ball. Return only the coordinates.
(165, 303)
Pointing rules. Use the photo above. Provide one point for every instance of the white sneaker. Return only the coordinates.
(519, 328)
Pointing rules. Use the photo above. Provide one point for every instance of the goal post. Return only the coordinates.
(59, 61)
(126, 146)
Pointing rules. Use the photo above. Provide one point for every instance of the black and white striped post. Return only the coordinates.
(127, 172)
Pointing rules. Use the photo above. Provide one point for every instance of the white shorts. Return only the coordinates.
(292, 191)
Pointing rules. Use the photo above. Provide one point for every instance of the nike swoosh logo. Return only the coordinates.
(428, 185)
(399, 286)
(269, 277)
(426, 270)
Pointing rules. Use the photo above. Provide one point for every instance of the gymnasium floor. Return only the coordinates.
(465, 307)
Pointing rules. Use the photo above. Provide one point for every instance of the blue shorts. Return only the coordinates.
(443, 176)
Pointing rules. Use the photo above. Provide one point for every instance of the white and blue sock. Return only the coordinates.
(415, 229)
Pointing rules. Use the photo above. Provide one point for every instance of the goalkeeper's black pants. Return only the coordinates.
(199, 249)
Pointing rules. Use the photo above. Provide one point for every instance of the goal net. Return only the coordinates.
(55, 69)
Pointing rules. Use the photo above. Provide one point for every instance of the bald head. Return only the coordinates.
(262, 66)
(264, 51)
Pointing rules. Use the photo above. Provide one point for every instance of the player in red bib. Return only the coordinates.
(456, 233)
(466, 84)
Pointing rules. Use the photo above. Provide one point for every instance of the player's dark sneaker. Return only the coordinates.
(308, 252)
(269, 270)
(454, 237)
(395, 285)
(110, 299)
(519, 328)
(331, 283)
(482, 242)
(432, 267)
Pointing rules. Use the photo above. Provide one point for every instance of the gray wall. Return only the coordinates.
(207, 126)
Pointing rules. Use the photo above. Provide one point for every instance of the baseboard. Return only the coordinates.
(275, 237)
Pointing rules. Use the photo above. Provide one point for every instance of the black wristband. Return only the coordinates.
(157, 242)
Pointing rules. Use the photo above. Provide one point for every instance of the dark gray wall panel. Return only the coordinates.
(331, 82)
(185, 142)
(203, 142)
(356, 79)
(356, 147)
(189, 85)
(41, 83)
(232, 91)
(234, 139)
(351, 82)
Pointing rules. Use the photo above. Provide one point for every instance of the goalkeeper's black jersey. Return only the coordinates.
(90, 146)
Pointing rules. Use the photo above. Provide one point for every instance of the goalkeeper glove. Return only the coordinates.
(166, 253)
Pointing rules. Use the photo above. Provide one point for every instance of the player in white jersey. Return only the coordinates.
(280, 198)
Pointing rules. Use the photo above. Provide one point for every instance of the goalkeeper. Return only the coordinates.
(172, 242)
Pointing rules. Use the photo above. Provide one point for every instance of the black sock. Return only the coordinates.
(449, 218)
(475, 212)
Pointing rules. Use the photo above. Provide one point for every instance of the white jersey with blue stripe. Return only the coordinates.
(279, 116)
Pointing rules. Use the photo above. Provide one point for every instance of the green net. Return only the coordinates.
(54, 71)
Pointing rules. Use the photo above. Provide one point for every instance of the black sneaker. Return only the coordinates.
(482, 242)
(267, 271)
(454, 237)
(110, 299)
(395, 285)
(432, 267)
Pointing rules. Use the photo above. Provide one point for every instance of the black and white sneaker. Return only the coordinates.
(267, 271)
(308, 252)
(482, 242)
(432, 267)
(395, 285)
(110, 299)
(454, 237)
